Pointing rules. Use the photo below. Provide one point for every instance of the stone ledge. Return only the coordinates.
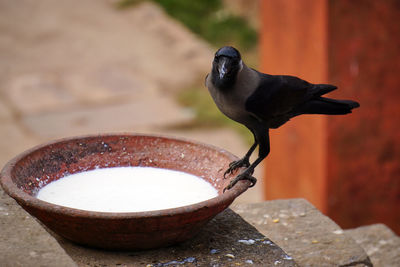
(24, 242)
(303, 232)
(286, 233)
(227, 240)
(380, 243)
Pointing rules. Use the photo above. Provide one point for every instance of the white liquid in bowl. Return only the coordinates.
(127, 189)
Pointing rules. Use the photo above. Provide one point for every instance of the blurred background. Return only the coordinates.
(69, 68)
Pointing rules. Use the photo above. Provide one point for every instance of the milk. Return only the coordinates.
(127, 189)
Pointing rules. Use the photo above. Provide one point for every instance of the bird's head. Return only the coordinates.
(226, 65)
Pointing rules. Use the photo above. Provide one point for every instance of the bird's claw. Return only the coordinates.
(244, 162)
(246, 175)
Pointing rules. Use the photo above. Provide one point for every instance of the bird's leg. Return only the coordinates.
(243, 162)
(264, 148)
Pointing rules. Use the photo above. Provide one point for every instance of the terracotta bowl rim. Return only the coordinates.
(25, 199)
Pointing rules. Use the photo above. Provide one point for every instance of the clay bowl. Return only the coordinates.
(23, 176)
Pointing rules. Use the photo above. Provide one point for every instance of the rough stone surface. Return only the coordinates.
(311, 238)
(380, 243)
(227, 240)
(24, 242)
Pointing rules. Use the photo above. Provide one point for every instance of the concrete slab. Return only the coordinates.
(310, 237)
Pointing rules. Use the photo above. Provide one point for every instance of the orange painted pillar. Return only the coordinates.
(347, 166)
(294, 42)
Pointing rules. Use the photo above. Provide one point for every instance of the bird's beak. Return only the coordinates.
(223, 67)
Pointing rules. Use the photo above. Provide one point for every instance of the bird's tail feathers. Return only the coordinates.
(328, 106)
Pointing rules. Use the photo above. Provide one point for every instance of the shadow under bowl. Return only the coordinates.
(27, 173)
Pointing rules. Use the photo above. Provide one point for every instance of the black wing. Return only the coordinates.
(276, 98)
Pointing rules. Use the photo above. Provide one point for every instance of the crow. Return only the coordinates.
(261, 102)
